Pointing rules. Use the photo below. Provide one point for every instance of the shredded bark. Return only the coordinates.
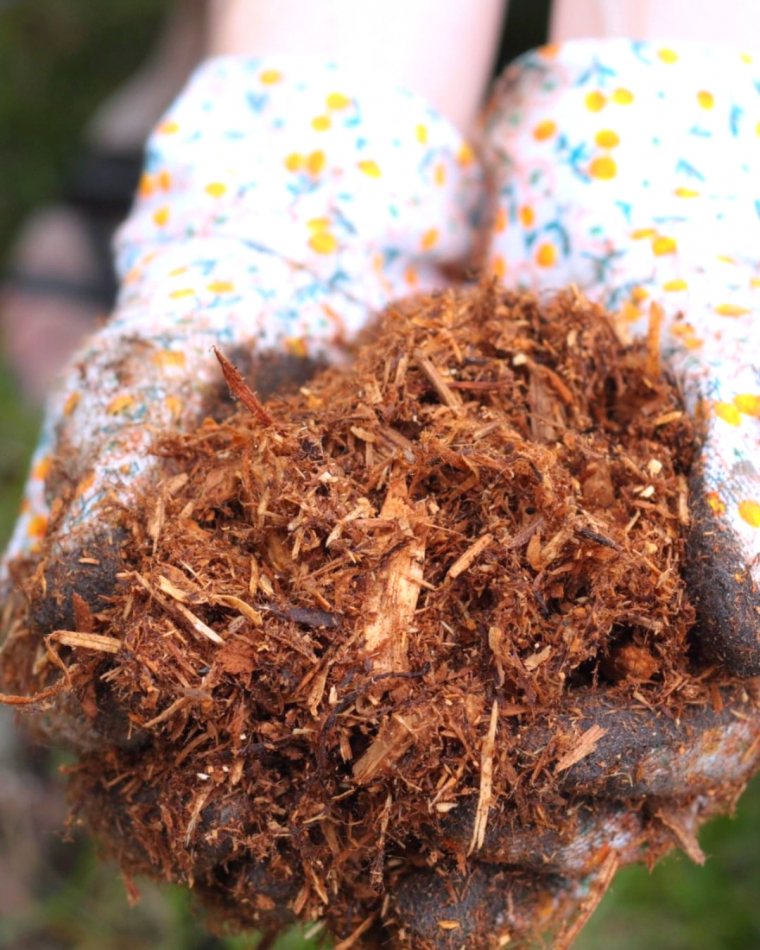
(345, 603)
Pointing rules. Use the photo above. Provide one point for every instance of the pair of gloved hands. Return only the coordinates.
(282, 205)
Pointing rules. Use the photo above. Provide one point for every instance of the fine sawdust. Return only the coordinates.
(343, 603)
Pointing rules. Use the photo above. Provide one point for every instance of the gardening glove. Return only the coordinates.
(283, 202)
(628, 170)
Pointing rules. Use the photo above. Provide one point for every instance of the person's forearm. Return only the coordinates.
(442, 49)
(733, 22)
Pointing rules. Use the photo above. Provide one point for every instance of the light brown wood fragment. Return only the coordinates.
(684, 516)
(471, 554)
(533, 551)
(598, 889)
(227, 600)
(156, 523)
(585, 746)
(195, 813)
(668, 417)
(175, 604)
(364, 434)
(87, 641)
(394, 738)
(677, 822)
(447, 395)
(167, 713)
(542, 406)
(392, 598)
(486, 782)
(353, 937)
(241, 390)
(656, 317)
(554, 546)
(82, 614)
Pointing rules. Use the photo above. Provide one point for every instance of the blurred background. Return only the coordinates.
(75, 94)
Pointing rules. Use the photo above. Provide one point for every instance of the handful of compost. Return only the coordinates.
(407, 654)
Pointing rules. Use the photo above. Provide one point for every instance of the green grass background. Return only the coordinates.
(58, 59)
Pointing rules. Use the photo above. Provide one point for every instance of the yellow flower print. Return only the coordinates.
(498, 266)
(181, 292)
(316, 162)
(629, 312)
(221, 287)
(686, 193)
(731, 310)
(269, 77)
(321, 123)
(37, 527)
(120, 405)
(465, 155)
(673, 286)
(623, 97)
(595, 101)
(716, 503)
(161, 216)
(216, 189)
(546, 255)
(749, 511)
(322, 240)
(544, 130)
(337, 101)
(421, 133)
(668, 56)
(603, 168)
(146, 186)
(527, 216)
(168, 127)
(71, 403)
(42, 468)
(727, 412)
(705, 99)
(168, 359)
(174, 406)
(429, 239)
(370, 168)
(664, 245)
(607, 138)
(748, 404)
(294, 162)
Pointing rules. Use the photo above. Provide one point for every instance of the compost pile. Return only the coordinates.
(345, 604)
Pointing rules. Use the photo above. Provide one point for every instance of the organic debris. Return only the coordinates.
(346, 606)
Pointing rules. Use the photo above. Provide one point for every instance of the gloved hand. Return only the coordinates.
(646, 776)
(283, 202)
(630, 171)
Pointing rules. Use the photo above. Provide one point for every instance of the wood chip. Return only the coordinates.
(463, 562)
(241, 390)
(87, 641)
(584, 746)
(486, 782)
(447, 395)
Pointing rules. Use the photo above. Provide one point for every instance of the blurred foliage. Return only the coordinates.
(58, 60)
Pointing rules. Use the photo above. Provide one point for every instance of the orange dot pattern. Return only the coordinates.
(281, 221)
(631, 171)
